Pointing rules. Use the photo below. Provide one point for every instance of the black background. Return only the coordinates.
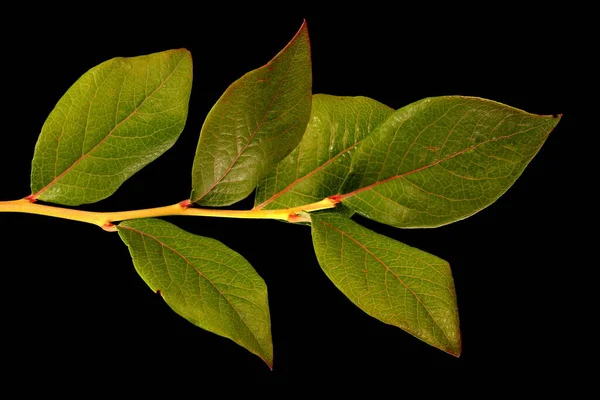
(73, 304)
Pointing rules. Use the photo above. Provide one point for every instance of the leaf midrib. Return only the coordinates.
(433, 164)
(260, 124)
(84, 156)
(380, 261)
(177, 253)
(303, 178)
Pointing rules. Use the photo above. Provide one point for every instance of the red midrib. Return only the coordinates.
(255, 130)
(34, 196)
(311, 173)
(424, 167)
(380, 261)
(188, 262)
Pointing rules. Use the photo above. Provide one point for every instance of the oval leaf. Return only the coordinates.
(258, 121)
(393, 282)
(442, 159)
(117, 118)
(318, 166)
(204, 281)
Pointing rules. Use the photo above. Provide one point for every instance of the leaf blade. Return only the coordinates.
(318, 166)
(204, 281)
(258, 121)
(457, 156)
(116, 118)
(399, 285)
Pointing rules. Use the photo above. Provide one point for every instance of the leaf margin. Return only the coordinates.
(348, 193)
(455, 348)
(38, 190)
(195, 197)
(266, 354)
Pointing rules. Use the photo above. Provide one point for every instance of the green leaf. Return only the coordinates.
(442, 159)
(393, 282)
(318, 166)
(117, 118)
(204, 281)
(258, 121)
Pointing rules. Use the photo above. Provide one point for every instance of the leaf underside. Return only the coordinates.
(258, 121)
(117, 118)
(204, 281)
(393, 282)
(442, 159)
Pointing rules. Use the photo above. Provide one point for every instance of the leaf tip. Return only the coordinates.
(269, 364)
(182, 50)
(552, 120)
(303, 31)
(456, 353)
(181, 54)
(456, 350)
(267, 359)
(266, 355)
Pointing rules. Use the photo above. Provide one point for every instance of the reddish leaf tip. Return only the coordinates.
(456, 353)
(179, 50)
(303, 28)
(269, 364)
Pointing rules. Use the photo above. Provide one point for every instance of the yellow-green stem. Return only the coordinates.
(105, 220)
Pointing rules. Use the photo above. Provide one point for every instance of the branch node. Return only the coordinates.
(298, 217)
(31, 198)
(185, 203)
(336, 199)
(109, 227)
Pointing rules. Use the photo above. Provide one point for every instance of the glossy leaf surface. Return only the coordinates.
(117, 118)
(204, 281)
(258, 121)
(393, 282)
(442, 159)
(318, 166)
